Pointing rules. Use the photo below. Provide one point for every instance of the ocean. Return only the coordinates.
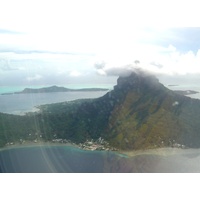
(20, 104)
(187, 87)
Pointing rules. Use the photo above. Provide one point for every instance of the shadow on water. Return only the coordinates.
(67, 159)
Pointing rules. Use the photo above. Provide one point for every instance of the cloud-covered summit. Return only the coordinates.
(152, 59)
(105, 69)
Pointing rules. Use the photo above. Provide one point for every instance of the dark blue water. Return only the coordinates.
(22, 103)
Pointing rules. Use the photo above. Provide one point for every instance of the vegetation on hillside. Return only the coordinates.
(139, 113)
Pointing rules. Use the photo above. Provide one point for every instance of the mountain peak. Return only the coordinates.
(138, 81)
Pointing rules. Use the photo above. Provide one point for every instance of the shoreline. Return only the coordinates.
(163, 151)
(38, 144)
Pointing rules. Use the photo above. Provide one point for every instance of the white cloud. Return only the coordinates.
(109, 30)
(34, 78)
(81, 26)
(5, 65)
(75, 73)
(154, 59)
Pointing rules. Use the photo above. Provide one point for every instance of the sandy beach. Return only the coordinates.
(165, 151)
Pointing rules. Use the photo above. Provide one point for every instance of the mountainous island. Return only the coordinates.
(139, 113)
(55, 89)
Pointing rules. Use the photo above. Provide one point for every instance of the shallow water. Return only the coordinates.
(68, 159)
(54, 159)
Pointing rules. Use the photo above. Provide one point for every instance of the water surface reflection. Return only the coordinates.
(71, 159)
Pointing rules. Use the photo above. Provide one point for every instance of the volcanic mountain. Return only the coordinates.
(150, 115)
(139, 113)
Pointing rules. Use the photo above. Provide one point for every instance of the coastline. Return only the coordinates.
(163, 151)
(99, 145)
(38, 144)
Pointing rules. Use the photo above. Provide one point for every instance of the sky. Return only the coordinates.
(60, 42)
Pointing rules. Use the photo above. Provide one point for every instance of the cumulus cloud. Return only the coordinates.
(157, 60)
(6, 66)
(34, 78)
(114, 70)
(74, 73)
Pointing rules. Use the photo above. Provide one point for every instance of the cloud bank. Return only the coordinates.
(34, 78)
(152, 59)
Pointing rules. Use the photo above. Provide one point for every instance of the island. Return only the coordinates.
(172, 85)
(185, 92)
(54, 88)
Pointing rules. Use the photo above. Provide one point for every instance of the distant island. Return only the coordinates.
(172, 85)
(55, 89)
(185, 92)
